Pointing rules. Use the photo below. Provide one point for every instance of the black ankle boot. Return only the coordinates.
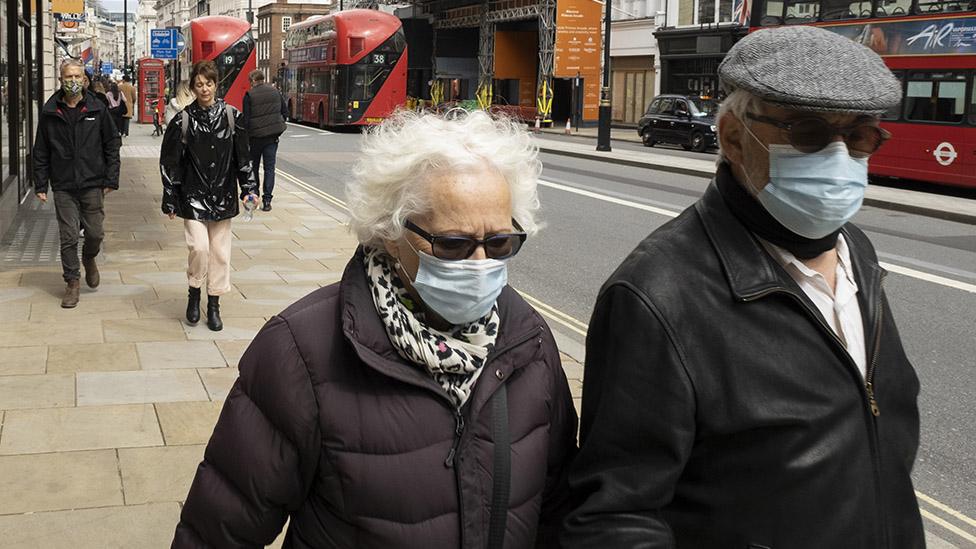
(213, 313)
(193, 306)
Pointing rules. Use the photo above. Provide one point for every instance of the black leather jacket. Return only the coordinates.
(200, 179)
(720, 411)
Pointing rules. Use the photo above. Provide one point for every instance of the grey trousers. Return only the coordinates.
(75, 209)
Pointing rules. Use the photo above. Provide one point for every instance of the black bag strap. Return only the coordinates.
(184, 126)
(502, 470)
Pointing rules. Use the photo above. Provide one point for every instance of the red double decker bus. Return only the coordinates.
(930, 45)
(226, 41)
(347, 68)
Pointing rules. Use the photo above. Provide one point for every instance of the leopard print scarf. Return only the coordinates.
(454, 359)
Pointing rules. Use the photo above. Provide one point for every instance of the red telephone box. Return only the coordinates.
(151, 87)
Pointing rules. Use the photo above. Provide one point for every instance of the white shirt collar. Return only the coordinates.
(844, 267)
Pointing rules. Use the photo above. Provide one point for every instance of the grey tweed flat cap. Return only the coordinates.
(811, 69)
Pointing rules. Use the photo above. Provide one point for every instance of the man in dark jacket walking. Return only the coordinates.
(265, 112)
(745, 384)
(77, 152)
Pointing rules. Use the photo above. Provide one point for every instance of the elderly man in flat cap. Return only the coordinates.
(745, 384)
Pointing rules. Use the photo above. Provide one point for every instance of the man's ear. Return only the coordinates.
(730, 134)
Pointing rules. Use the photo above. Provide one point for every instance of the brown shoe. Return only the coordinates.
(92, 278)
(70, 299)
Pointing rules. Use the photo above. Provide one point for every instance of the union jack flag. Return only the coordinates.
(740, 12)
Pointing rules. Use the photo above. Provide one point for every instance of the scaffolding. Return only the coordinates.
(485, 15)
(547, 40)
(486, 57)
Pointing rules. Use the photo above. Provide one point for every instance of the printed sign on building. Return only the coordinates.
(67, 6)
(578, 48)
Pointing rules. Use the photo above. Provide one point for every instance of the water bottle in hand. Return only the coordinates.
(250, 204)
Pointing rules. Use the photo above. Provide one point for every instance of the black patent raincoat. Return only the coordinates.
(200, 178)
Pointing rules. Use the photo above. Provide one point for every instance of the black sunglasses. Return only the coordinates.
(456, 247)
(812, 134)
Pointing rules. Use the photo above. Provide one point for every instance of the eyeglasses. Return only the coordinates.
(812, 134)
(456, 247)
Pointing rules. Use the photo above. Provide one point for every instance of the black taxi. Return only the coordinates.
(683, 120)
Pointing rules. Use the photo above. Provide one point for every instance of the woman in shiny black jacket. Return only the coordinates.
(204, 158)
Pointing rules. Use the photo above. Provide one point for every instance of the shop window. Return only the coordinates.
(4, 99)
(706, 11)
(724, 11)
(936, 97)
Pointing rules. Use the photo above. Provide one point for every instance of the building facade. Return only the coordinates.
(146, 20)
(25, 45)
(273, 21)
(695, 38)
(634, 58)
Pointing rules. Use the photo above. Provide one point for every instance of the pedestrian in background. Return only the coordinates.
(178, 102)
(129, 91)
(745, 383)
(159, 109)
(265, 112)
(203, 158)
(97, 87)
(116, 104)
(76, 152)
(420, 402)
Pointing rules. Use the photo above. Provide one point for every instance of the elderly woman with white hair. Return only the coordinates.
(419, 402)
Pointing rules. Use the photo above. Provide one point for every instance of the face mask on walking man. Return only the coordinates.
(76, 155)
(745, 384)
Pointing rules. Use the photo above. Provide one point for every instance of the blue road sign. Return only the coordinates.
(163, 43)
(107, 67)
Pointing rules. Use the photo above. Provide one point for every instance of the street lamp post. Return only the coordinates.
(125, 37)
(603, 131)
(250, 13)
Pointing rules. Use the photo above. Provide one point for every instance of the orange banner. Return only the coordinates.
(578, 48)
(67, 6)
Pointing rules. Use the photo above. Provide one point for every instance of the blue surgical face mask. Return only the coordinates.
(460, 291)
(813, 194)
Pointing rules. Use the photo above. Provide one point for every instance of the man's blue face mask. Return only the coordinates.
(812, 194)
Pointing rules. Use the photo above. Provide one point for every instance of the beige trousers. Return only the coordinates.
(209, 245)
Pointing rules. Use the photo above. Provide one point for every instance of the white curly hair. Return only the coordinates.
(401, 156)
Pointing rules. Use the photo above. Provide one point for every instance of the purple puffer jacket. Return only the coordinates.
(327, 425)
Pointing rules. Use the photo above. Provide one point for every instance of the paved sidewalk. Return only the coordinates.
(105, 409)
(950, 208)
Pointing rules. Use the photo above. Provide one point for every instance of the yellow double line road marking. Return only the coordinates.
(932, 502)
(325, 196)
(581, 329)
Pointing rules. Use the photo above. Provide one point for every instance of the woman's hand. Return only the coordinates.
(171, 215)
(251, 197)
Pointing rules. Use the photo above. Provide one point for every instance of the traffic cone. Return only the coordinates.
(536, 130)
(569, 129)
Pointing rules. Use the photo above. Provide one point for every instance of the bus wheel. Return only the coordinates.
(321, 118)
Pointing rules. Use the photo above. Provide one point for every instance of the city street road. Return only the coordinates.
(597, 212)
